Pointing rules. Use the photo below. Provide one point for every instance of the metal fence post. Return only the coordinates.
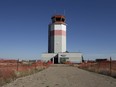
(110, 66)
(35, 65)
(17, 64)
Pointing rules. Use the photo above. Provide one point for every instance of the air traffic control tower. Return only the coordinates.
(57, 35)
(57, 52)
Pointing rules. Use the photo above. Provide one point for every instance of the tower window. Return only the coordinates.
(63, 19)
(58, 19)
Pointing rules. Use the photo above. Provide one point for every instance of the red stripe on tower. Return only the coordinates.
(58, 32)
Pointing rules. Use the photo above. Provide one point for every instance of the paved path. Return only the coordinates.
(63, 76)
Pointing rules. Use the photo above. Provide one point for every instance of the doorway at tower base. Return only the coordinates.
(48, 57)
(57, 58)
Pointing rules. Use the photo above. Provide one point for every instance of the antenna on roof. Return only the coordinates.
(64, 11)
(54, 12)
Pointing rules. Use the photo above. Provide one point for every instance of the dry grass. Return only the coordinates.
(104, 67)
(11, 71)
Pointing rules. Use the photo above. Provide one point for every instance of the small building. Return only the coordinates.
(101, 60)
(75, 57)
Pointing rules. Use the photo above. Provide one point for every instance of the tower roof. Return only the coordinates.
(58, 16)
(58, 19)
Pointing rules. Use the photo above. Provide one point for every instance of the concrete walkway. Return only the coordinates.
(64, 76)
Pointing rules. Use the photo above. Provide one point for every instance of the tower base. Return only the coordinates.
(55, 58)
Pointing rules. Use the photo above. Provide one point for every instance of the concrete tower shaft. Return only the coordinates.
(57, 35)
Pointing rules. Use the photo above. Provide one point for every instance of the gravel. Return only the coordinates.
(64, 76)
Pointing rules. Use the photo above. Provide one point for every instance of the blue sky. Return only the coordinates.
(91, 27)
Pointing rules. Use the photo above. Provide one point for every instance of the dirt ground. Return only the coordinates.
(64, 76)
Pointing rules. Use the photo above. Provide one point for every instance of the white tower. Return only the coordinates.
(57, 35)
